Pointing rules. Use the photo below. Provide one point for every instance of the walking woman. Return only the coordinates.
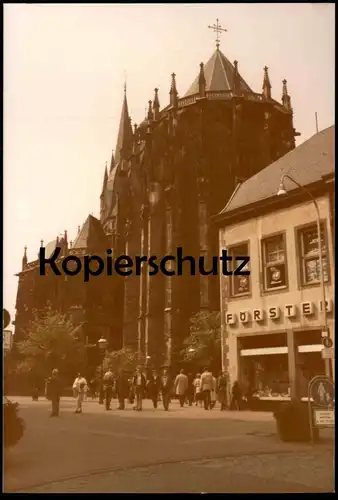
(80, 388)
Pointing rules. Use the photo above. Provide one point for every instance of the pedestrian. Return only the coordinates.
(190, 390)
(236, 397)
(122, 389)
(222, 388)
(131, 394)
(166, 386)
(53, 392)
(213, 393)
(181, 387)
(108, 383)
(139, 384)
(197, 390)
(207, 381)
(80, 388)
(93, 388)
(153, 387)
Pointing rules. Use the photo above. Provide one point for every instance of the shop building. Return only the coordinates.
(272, 319)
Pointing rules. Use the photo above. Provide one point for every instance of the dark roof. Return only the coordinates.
(219, 75)
(307, 164)
(125, 135)
(91, 235)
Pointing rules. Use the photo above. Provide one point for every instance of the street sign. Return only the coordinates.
(321, 391)
(6, 318)
(324, 418)
(328, 353)
(325, 332)
(327, 342)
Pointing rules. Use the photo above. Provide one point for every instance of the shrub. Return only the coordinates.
(13, 425)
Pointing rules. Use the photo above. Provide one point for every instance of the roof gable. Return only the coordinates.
(91, 235)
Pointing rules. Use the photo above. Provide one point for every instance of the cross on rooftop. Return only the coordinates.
(217, 28)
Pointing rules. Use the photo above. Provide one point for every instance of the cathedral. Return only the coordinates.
(166, 180)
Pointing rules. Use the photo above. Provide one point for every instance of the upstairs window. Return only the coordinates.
(239, 285)
(310, 266)
(274, 262)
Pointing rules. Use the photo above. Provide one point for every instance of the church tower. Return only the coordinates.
(171, 176)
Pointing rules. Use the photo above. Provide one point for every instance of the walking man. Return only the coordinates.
(80, 389)
(166, 388)
(222, 386)
(108, 382)
(206, 387)
(122, 389)
(153, 387)
(53, 392)
(139, 383)
(181, 387)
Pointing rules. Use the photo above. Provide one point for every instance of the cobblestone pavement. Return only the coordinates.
(183, 450)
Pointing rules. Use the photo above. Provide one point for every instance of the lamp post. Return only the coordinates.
(282, 191)
(102, 343)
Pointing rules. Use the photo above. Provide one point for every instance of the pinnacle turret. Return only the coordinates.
(266, 84)
(286, 99)
(173, 91)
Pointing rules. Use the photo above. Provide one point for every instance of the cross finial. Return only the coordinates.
(217, 28)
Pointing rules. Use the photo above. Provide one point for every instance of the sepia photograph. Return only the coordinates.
(168, 248)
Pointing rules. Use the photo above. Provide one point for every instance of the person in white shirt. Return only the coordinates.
(197, 390)
(79, 389)
(207, 382)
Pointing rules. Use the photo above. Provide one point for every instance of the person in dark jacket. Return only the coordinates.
(122, 389)
(236, 397)
(190, 390)
(153, 387)
(54, 392)
(166, 387)
(139, 384)
(222, 390)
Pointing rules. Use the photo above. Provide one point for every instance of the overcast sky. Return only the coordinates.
(64, 70)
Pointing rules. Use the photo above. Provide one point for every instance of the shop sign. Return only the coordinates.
(7, 339)
(273, 313)
(328, 353)
(324, 418)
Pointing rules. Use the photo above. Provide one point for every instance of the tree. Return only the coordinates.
(203, 345)
(124, 359)
(51, 342)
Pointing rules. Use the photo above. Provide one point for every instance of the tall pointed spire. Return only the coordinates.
(105, 178)
(125, 135)
(201, 81)
(112, 162)
(173, 91)
(156, 105)
(266, 84)
(286, 99)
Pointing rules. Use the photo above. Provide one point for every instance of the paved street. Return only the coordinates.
(183, 450)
